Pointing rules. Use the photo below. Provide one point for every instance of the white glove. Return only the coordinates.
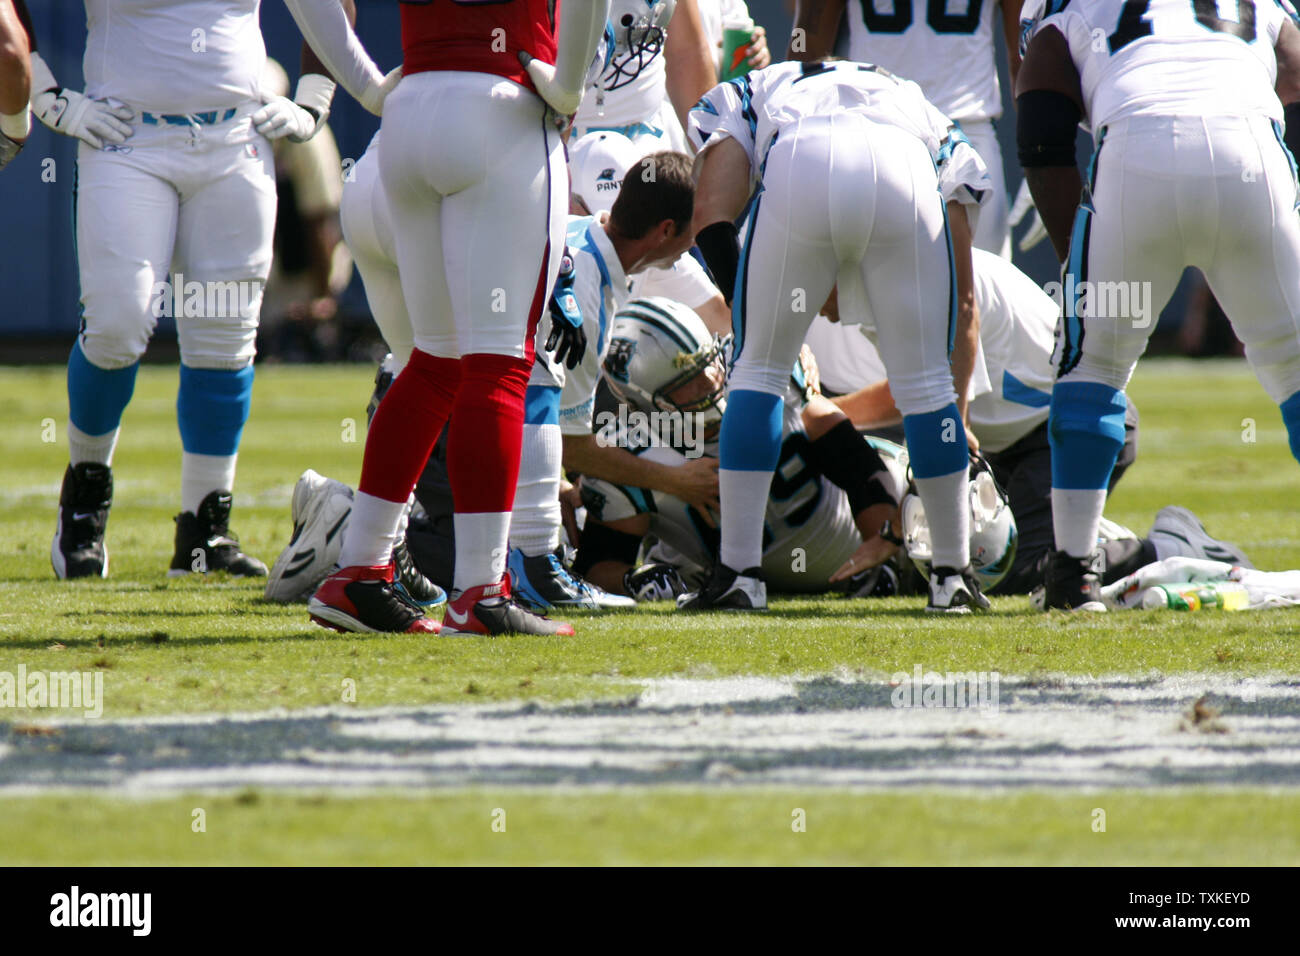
(565, 102)
(73, 114)
(282, 117)
(373, 97)
(1024, 203)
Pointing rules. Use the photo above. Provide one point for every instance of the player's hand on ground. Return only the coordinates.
(95, 122)
(281, 116)
(872, 552)
(697, 484)
(373, 98)
(759, 54)
(1023, 205)
(565, 102)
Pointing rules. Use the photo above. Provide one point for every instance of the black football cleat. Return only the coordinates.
(204, 542)
(78, 550)
(367, 600)
(417, 587)
(728, 590)
(1073, 584)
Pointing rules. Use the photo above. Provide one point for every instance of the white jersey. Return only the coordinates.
(950, 56)
(633, 86)
(600, 287)
(755, 109)
(808, 529)
(1011, 385)
(174, 56)
(1167, 57)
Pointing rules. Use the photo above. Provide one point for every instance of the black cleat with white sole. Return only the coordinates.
(1073, 584)
(728, 590)
(954, 591)
(204, 542)
(78, 550)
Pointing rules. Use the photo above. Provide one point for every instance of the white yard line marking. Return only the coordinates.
(1050, 732)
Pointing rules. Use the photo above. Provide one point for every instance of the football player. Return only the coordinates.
(831, 493)
(197, 187)
(863, 183)
(948, 52)
(471, 155)
(1008, 413)
(1185, 106)
(15, 84)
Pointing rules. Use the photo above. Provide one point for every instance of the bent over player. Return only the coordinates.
(864, 184)
(1189, 170)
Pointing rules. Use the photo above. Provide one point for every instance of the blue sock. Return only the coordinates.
(936, 442)
(211, 408)
(751, 431)
(96, 396)
(1086, 431)
(1291, 418)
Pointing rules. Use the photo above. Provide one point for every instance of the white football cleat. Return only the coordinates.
(321, 507)
(1178, 533)
(955, 591)
(728, 590)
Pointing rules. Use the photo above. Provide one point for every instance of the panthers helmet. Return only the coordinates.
(992, 528)
(638, 40)
(661, 357)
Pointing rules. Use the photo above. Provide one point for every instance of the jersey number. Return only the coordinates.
(899, 18)
(795, 478)
(1132, 25)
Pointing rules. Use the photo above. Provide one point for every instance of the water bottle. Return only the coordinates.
(1224, 595)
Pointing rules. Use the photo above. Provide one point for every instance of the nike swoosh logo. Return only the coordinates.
(82, 515)
(457, 618)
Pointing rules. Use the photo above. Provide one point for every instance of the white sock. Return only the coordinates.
(480, 548)
(947, 511)
(535, 521)
(1076, 516)
(371, 532)
(95, 448)
(203, 474)
(743, 495)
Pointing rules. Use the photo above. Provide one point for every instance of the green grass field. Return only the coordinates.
(1211, 440)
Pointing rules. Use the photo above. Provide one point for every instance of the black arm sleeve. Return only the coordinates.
(848, 459)
(720, 246)
(1047, 123)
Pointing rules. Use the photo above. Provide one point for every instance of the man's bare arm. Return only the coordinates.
(1011, 34)
(1287, 52)
(1056, 189)
(15, 63)
(967, 339)
(816, 24)
(688, 60)
(695, 481)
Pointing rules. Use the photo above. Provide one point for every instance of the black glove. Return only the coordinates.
(568, 339)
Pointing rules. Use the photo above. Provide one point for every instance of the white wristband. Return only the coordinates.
(42, 78)
(16, 125)
(315, 92)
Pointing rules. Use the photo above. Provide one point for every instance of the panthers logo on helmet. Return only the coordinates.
(617, 357)
(606, 175)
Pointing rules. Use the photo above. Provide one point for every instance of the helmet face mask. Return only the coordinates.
(662, 361)
(639, 41)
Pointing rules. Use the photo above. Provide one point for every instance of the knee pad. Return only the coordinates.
(936, 442)
(217, 324)
(1086, 430)
(923, 393)
(212, 407)
(754, 376)
(751, 431)
(116, 338)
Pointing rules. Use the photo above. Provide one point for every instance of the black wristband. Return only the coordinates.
(720, 246)
(848, 459)
(1047, 124)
